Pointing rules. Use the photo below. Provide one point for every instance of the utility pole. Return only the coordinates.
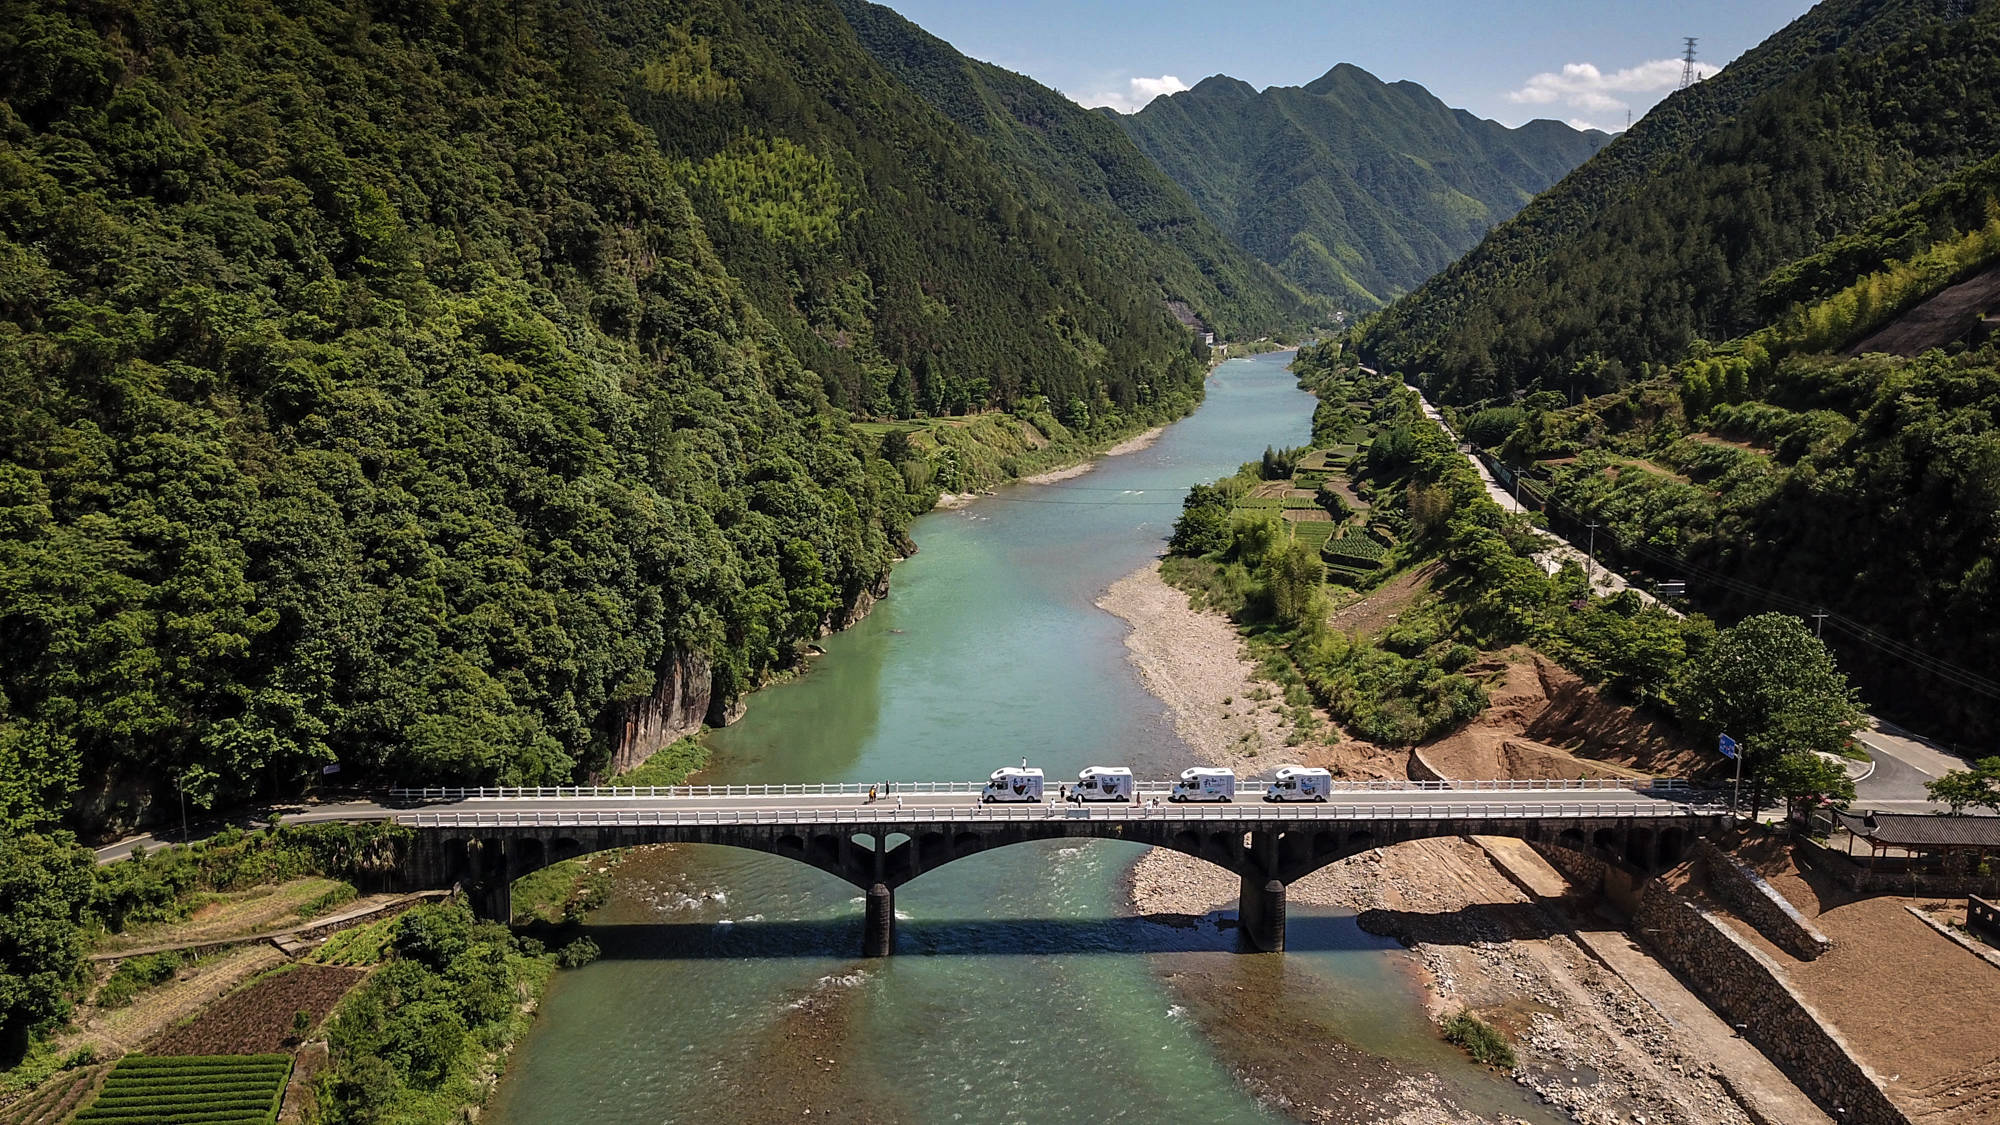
(1819, 619)
(1688, 75)
(1736, 793)
(1590, 563)
(180, 785)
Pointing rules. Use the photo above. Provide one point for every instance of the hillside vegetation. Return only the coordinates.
(1682, 229)
(401, 387)
(1355, 189)
(1773, 469)
(1080, 168)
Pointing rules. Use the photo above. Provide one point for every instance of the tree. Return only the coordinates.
(1979, 785)
(1203, 527)
(1292, 574)
(1771, 685)
(45, 884)
(1804, 779)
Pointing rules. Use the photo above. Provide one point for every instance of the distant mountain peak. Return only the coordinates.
(1219, 85)
(1351, 187)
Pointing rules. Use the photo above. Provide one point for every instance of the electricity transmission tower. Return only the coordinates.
(1688, 75)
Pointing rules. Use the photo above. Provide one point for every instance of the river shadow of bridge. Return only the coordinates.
(1311, 931)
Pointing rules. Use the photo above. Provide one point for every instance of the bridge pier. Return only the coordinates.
(878, 926)
(1260, 913)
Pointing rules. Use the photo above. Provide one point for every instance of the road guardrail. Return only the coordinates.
(937, 788)
(981, 814)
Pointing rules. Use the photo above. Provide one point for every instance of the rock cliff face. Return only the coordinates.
(684, 697)
(675, 710)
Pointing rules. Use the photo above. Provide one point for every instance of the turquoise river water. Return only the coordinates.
(1022, 989)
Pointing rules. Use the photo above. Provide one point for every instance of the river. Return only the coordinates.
(1021, 989)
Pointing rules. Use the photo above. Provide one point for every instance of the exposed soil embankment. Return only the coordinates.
(1545, 722)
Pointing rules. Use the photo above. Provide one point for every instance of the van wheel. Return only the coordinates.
(1321, 798)
(985, 800)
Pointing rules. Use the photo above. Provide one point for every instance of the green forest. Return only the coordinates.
(1664, 345)
(1353, 188)
(394, 389)
(1080, 168)
(1765, 679)
(1687, 227)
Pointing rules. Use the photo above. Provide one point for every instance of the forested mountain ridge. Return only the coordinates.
(1857, 106)
(894, 255)
(1353, 188)
(1775, 472)
(1081, 166)
(408, 387)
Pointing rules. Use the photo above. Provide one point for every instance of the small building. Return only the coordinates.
(1952, 842)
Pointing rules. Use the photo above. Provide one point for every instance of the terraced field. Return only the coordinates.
(191, 1090)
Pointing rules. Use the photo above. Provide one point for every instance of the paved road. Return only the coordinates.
(1603, 580)
(1903, 761)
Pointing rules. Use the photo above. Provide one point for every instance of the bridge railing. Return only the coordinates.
(983, 814)
(937, 788)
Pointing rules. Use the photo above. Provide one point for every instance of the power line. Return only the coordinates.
(1898, 650)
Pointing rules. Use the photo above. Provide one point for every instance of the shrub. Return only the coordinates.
(1480, 1040)
(577, 954)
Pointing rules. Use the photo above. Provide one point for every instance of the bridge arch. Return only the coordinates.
(1266, 855)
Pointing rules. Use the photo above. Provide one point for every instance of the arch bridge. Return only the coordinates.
(483, 844)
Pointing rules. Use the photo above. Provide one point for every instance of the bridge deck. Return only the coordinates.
(936, 809)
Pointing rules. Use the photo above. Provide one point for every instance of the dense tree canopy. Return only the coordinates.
(403, 386)
(45, 890)
(1674, 231)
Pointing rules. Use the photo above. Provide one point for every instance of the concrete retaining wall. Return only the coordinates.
(1748, 990)
(1757, 902)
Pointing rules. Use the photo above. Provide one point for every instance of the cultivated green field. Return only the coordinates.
(191, 1090)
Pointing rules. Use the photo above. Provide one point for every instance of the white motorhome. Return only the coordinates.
(1299, 783)
(1013, 783)
(1204, 783)
(1102, 783)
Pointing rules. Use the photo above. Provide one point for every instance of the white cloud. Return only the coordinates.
(1137, 92)
(1584, 87)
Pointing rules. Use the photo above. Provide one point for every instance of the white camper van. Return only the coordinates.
(1205, 783)
(1102, 783)
(1013, 783)
(1299, 783)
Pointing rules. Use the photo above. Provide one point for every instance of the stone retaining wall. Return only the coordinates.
(1899, 875)
(1757, 902)
(1749, 990)
(1420, 768)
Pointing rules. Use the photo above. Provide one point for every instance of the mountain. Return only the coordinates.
(446, 391)
(1770, 369)
(1353, 188)
(1081, 168)
(897, 258)
(1669, 234)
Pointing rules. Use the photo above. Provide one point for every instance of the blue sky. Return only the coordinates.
(1586, 63)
